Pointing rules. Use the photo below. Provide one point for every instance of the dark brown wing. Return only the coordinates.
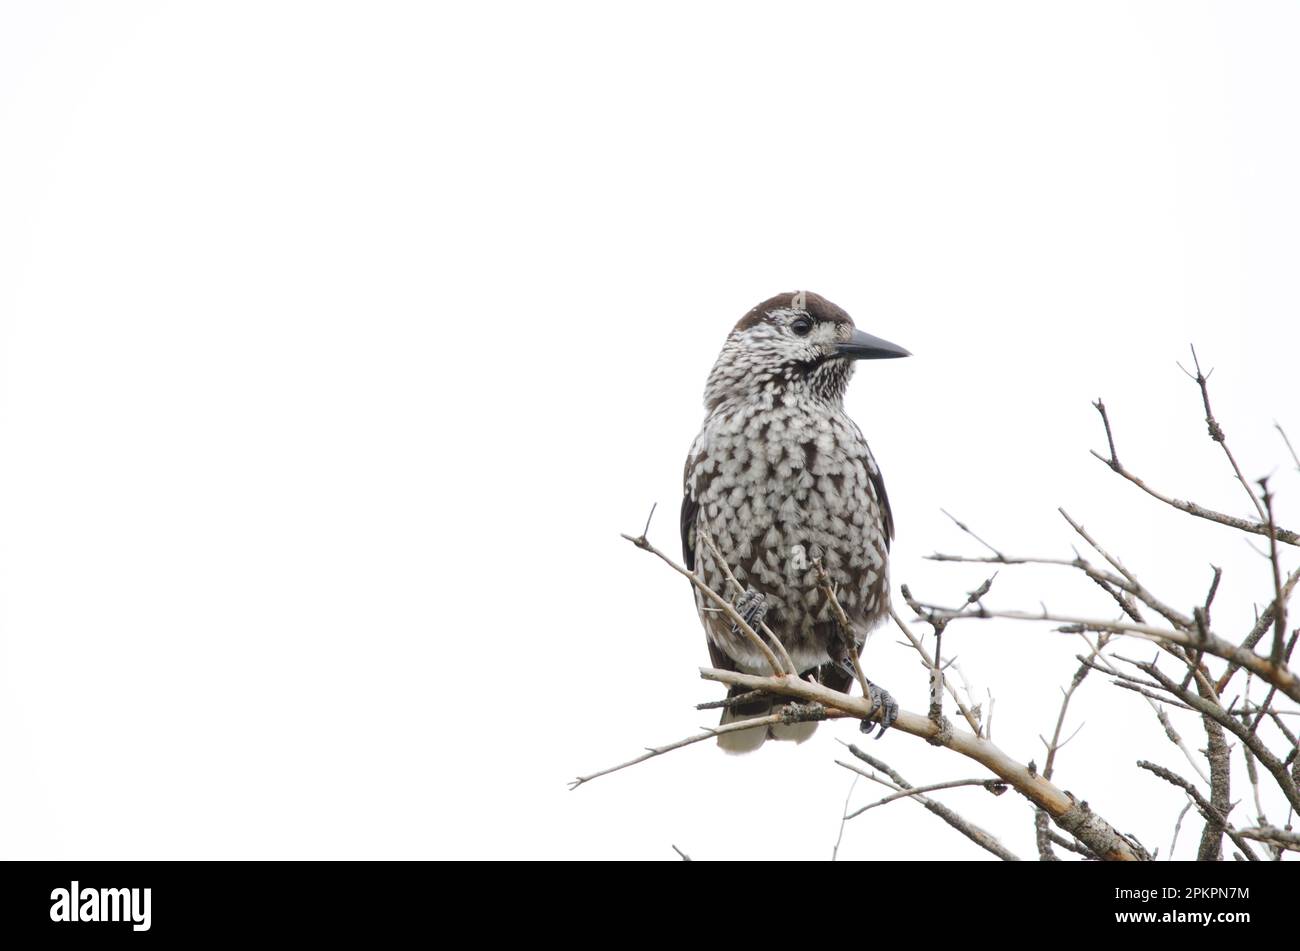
(878, 487)
(690, 508)
(878, 484)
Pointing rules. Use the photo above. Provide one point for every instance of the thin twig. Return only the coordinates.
(1216, 431)
(709, 733)
(844, 818)
(1289, 447)
(1191, 508)
(1211, 709)
(992, 785)
(726, 606)
(1133, 586)
(967, 530)
(1113, 585)
(1279, 603)
(1262, 624)
(971, 831)
(1075, 681)
(966, 713)
(1156, 702)
(1207, 809)
(1178, 826)
(1065, 843)
(1285, 680)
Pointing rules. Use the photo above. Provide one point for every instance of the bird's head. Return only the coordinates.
(796, 341)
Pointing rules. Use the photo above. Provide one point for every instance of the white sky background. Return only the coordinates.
(341, 341)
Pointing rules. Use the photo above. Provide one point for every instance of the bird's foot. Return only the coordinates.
(752, 606)
(880, 700)
(886, 704)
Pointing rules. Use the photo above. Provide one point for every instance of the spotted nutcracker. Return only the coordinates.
(781, 478)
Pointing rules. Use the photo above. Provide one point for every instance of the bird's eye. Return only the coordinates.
(801, 326)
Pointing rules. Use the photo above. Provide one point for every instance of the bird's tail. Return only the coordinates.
(746, 741)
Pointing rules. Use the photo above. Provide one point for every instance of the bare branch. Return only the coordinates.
(772, 719)
(1210, 709)
(1283, 678)
(1191, 508)
(971, 831)
(1216, 752)
(967, 530)
(1043, 837)
(1262, 624)
(1073, 846)
(722, 603)
(1133, 586)
(1207, 809)
(1060, 818)
(967, 714)
(1289, 448)
(1178, 826)
(1156, 703)
(1079, 674)
(844, 818)
(728, 703)
(1270, 835)
(1216, 431)
(992, 785)
(1279, 603)
(1068, 813)
(1113, 461)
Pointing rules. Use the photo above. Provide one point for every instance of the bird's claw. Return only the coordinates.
(886, 704)
(880, 700)
(752, 606)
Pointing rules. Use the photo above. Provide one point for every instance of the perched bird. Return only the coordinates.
(782, 479)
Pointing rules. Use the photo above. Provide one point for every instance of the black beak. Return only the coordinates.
(866, 347)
